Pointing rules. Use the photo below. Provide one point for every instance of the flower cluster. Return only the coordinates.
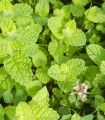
(80, 91)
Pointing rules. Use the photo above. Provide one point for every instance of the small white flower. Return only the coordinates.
(80, 91)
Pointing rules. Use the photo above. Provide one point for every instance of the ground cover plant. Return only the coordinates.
(52, 59)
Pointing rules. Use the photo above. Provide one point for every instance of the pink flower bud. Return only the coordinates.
(73, 93)
(77, 87)
(80, 91)
(83, 96)
(84, 88)
(80, 94)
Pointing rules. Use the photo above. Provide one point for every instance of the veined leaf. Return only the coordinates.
(87, 117)
(67, 85)
(21, 9)
(80, 2)
(8, 27)
(77, 38)
(56, 48)
(102, 67)
(56, 24)
(71, 68)
(95, 14)
(70, 27)
(5, 46)
(5, 6)
(42, 8)
(96, 53)
(41, 98)
(76, 66)
(39, 59)
(44, 113)
(22, 109)
(33, 87)
(75, 117)
(77, 11)
(19, 67)
(37, 108)
(56, 73)
(1, 112)
(27, 37)
(6, 82)
(42, 75)
(23, 22)
(10, 111)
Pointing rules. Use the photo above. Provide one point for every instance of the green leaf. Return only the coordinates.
(77, 11)
(6, 83)
(10, 111)
(102, 107)
(67, 85)
(23, 22)
(5, 46)
(94, 39)
(64, 12)
(56, 73)
(103, 6)
(71, 68)
(28, 36)
(21, 96)
(96, 53)
(56, 48)
(1, 112)
(80, 2)
(100, 117)
(19, 67)
(41, 98)
(102, 67)
(8, 97)
(23, 111)
(37, 108)
(66, 117)
(70, 27)
(95, 14)
(56, 24)
(21, 9)
(57, 92)
(42, 8)
(89, 73)
(75, 117)
(72, 98)
(77, 38)
(44, 113)
(40, 20)
(39, 59)
(99, 80)
(8, 27)
(76, 66)
(87, 117)
(5, 6)
(98, 101)
(64, 110)
(31, 50)
(42, 75)
(33, 87)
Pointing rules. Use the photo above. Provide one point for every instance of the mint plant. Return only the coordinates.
(52, 60)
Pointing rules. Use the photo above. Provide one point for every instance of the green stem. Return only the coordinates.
(34, 2)
(30, 2)
(86, 16)
(95, 111)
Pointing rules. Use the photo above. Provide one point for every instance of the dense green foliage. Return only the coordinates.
(52, 59)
